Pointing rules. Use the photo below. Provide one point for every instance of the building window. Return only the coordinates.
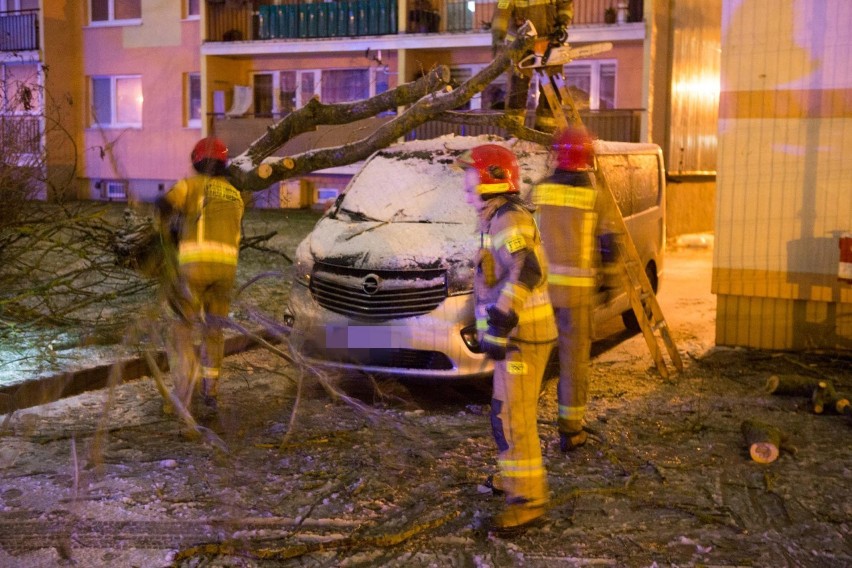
(106, 11)
(593, 83)
(193, 9)
(193, 100)
(19, 89)
(117, 101)
(493, 97)
(281, 92)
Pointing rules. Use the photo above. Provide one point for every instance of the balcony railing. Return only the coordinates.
(348, 18)
(613, 125)
(19, 30)
(20, 136)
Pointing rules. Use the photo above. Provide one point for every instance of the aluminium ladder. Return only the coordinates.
(628, 265)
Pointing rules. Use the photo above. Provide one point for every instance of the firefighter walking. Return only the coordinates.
(210, 211)
(516, 326)
(551, 19)
(567, 210)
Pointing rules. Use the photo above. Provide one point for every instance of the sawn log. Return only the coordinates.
(764, 440)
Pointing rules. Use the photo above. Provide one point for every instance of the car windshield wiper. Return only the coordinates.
(357, 215)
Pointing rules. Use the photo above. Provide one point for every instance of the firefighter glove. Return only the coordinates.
(608, 247)
(500, 322)
(559, 35)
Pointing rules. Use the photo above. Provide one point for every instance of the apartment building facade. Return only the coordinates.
(134, 83)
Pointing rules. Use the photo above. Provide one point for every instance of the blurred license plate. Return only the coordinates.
(359, 336)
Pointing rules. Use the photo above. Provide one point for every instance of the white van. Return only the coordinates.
(384, 281)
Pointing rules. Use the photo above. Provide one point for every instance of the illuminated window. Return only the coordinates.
(193, 100)
(281, 92)
(19, 89)
(593, 83)
(103, 11)
(117, 101)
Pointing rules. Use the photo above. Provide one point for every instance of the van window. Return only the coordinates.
(646, 182)
(614, 168)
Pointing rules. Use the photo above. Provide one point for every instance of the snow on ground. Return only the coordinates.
(380, 472)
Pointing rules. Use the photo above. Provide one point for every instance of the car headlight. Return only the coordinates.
(304, 267)
(471, 338)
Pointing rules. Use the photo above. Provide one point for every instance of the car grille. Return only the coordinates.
(377, 295)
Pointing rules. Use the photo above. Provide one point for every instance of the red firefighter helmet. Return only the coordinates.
(573, 149)
(498, 169)
(210, 148)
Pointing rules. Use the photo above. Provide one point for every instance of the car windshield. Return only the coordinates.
(407, 188)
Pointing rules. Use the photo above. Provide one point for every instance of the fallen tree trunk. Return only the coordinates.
(791, 385)
(764, 440)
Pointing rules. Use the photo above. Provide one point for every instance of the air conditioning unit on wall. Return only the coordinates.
(114, 190)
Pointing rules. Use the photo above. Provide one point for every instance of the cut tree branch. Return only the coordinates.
(249, 175)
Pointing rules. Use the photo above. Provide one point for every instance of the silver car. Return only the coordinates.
(384, 281)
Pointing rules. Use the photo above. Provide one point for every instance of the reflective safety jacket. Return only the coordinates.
(212, 209)
(511, 271)
(567, 211)
(545, 15)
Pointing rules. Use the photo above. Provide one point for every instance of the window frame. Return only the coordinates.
(475, 102)
(302, 98)
(111, 20)
(95, 123)
(187, 10)
(190, 122)
(595, 67)
(5, 79)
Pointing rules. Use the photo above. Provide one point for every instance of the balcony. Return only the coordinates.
(21, 138)
(352, 18)
(19, 30)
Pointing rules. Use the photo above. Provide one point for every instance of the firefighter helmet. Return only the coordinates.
(573, 149)
(210, 148)
(498, 169)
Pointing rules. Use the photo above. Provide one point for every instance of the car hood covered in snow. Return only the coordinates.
(406, 210)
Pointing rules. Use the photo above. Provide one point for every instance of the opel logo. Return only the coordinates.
(370, 285)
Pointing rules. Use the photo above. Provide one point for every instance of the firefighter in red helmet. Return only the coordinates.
(568, 211)
(210, 210)
(515, 323)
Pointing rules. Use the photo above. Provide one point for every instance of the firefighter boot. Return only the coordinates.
(495, 484)
(570, 441)
(210, 392)
(517, 517)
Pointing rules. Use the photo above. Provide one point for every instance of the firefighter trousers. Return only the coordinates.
(575, 343)
(514, 422)
(202, 304)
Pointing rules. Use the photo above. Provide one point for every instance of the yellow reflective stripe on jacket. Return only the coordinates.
(495, 339)
(571, 412)
(207, 251)
(533, 467)
(528, 3)
(574, 281)
(588, 224)
(560, 195)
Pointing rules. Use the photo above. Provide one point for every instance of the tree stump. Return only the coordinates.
(764, 440)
